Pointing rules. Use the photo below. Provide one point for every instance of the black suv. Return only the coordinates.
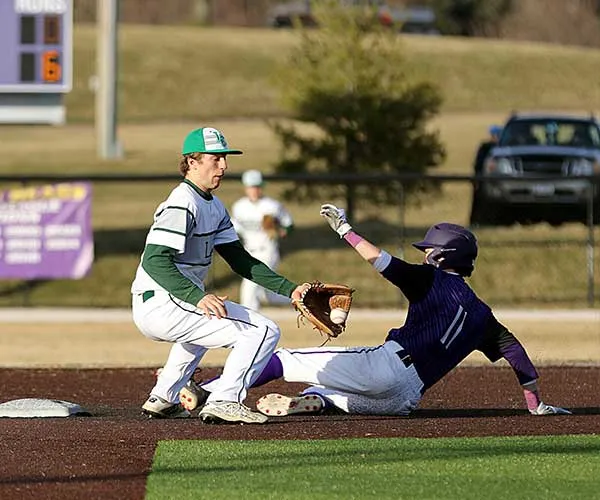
(553, 151)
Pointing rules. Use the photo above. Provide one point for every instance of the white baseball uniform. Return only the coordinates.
(169, 282)
(247, 217)
(369, 380)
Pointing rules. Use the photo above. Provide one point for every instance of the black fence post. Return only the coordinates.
(590, 243)
(402, 235)
(350, 201)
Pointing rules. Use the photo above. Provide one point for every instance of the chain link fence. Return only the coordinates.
(520, 265)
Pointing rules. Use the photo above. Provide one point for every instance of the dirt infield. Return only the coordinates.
(108, 454)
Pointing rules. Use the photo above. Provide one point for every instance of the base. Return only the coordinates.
(32, 407)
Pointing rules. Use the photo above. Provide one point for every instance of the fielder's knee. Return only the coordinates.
(272, 328)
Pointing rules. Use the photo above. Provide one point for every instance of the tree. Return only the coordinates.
(471, 17)
(348, 79)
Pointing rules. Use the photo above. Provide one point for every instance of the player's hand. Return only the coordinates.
(544, 409)
(336, 218)
(299, 291)
(213, 305)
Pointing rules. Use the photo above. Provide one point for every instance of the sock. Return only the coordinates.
(272, 371)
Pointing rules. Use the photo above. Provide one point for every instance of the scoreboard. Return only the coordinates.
(36, 38)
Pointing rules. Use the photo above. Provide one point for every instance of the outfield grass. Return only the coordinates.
(473, 468)
(165, 91)
(188, 73)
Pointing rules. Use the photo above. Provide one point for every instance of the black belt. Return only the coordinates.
(405, 357)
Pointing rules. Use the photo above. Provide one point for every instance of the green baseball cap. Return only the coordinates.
(207, 140)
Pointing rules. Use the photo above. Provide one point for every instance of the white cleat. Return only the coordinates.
(278, 405)
(192, 396)
(217, 412)
(156, 407)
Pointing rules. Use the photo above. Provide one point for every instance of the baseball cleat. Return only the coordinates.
(218, 412)
(278, 405)
(156, 407)
(193, 396)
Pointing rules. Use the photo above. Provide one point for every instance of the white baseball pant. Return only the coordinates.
(251, 336)
(357, 380)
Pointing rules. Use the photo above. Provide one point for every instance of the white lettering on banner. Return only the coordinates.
(23, 258)
(23, 231)
(41, 6)
(62, 230)
(23, 244)
(20, 218)
(43, 206)
(62, 244)
(38, 206)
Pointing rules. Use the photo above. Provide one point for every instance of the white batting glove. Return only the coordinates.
(544, 409)
(336, 218)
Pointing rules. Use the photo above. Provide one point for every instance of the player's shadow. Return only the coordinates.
(123, 241)
(488, 412)
(318, 236)
(466, 412)
(131, 241)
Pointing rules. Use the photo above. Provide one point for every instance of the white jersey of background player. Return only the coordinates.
(247, 215)
(169, 300)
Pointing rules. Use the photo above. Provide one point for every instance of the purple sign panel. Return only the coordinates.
(45, 232)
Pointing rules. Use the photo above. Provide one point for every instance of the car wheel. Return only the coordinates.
(597, 212)
(477, 216)
(487, 213)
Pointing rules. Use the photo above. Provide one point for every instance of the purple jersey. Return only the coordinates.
(444, 327)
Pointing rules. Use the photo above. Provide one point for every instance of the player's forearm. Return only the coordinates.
(364, 248)
(518, 359)
(526, 373)
(242, 263)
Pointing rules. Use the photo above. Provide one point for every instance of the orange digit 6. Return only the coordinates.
(51, 69)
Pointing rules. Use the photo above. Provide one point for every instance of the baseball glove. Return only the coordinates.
(270, 225)
(326, 307)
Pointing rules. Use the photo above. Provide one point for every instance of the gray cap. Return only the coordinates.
(252, 178)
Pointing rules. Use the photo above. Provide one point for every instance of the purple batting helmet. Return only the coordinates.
(454, 247)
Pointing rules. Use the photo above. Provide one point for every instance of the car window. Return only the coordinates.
(570, 133)
(520, 133)
(594, 135)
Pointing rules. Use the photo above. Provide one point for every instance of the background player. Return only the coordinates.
(260, 221)
(169, 300)
(446, 321)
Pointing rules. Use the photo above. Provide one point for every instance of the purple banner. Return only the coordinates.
(45, 232)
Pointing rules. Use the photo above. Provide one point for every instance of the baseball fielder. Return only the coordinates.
(248, 215)
(170, 302)
(446, 321)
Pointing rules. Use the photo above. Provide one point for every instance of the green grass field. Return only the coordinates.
(473, 468)
(163, 73)
(164, 91)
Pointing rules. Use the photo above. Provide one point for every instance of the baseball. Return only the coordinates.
(338, 315)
